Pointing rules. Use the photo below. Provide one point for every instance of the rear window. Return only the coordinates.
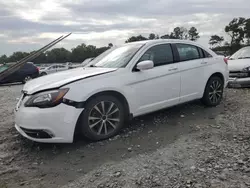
(28, 66)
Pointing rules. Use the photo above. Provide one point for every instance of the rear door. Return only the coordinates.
(19, 75)
(192, 69)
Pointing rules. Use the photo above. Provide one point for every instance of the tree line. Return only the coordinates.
(178, 33)
(60, 55)
(83, 51)
(238, 30)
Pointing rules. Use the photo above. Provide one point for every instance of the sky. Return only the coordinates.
(27, 25)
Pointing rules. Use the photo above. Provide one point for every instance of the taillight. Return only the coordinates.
(37, 68)
(225, 60)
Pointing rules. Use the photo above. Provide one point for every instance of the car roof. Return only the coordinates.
(157, 41)
(160, 41)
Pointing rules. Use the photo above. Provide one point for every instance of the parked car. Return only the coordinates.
(83, 64)
(52, 69)
(24, 74)
(239, 67)
(86, 61)
(123, 82)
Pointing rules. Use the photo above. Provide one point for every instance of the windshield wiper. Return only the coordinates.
(244, 58)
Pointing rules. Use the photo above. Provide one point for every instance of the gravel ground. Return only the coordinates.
(184, 146)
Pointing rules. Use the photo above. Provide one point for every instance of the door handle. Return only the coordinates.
(173, 69)
(204, 63)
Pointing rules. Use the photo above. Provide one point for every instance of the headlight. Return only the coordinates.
(46, 99)
(247, 69)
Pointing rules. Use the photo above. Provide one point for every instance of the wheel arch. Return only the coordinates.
(218, 74)
(114, 93)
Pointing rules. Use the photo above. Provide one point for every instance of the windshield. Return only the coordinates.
(243, 53)
(116, 57)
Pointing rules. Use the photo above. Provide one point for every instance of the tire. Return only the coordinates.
(26, 79)
(213, 93)
(43, 74)
(96, 125)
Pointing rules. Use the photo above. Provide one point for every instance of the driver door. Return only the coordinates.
(158, 87)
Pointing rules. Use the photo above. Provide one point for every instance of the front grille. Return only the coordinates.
(36, 133)
(238, 74)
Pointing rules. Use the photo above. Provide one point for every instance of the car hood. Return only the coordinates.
(238, 64)
(59, 79)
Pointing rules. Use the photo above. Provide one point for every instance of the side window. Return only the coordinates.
(160, 55)
(187, 52)
(52, 67)
(201, 53)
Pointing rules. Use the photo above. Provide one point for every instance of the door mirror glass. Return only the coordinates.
(145, 65)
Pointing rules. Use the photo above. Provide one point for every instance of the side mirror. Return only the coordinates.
(145, 65)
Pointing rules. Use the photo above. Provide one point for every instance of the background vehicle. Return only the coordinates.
(24, 74)
(86, 61)
(83, 64)
(124, 82)
(239, 67)
(52, 69)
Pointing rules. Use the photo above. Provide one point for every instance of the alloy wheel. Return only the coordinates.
(215, 91)
(104, 118)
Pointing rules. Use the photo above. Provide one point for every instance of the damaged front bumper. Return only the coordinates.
(239, 82)
(239, 78)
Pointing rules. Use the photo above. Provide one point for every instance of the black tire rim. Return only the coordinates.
(104, 118)
(215, 91)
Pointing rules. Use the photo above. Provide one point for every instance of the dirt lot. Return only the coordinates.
(185, 146)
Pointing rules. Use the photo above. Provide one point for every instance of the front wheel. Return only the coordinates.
(102, 118)
(213, 92)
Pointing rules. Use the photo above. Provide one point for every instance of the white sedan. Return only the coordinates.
(123, 82)
(239, 67)
(52, 69)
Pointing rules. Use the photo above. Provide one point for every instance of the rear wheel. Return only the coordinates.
(213, 92)
(103, 118)
(26, 79)
(43, 74)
